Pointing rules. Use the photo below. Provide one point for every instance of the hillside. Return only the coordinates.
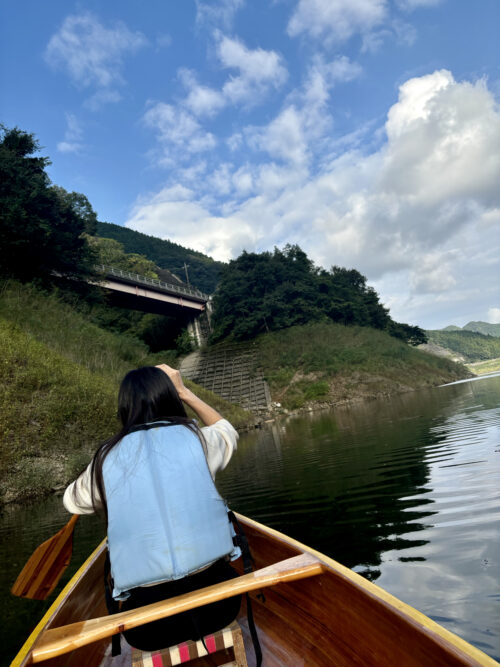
(470, 345)
(58, 385)
(485, 328)
(328, 363)
(203, 271)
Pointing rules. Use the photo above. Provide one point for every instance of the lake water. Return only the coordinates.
(405, 491)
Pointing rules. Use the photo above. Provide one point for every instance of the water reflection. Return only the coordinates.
(406, 492)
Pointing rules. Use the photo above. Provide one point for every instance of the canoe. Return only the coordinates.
(321, 614)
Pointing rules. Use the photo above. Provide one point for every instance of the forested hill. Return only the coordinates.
(485, 328)
(471, 345)
(203, 271)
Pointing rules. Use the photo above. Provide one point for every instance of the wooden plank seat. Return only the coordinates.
(223, 640)
(66, 638)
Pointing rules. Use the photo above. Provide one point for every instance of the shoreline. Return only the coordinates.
(345, 391)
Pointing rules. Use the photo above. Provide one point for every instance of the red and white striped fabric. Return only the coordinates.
(186, 651)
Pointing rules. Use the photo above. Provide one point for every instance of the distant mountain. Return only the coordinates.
(471, 345)
(484, 327)
(203, 271)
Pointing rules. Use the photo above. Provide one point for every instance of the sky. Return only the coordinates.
(365, 131)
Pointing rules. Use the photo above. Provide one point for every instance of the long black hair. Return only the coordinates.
(146, 395)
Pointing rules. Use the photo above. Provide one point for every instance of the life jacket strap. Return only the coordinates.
(111, 604)
(240, 540)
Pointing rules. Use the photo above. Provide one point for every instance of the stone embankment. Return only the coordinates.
(230, 371)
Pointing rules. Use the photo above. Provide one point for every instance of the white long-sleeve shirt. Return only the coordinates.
(221, 439)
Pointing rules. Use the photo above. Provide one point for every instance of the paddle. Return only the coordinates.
(40, 575)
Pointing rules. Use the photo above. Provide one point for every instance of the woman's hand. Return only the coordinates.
(207, 414)
(176, 378)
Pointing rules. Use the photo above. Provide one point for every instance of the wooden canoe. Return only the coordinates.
(333, 618)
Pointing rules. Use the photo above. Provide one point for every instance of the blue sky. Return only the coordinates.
(366, 131)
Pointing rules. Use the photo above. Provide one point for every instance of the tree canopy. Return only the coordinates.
(269, 291)
(112, 253)
(41, 230)
(203, 271)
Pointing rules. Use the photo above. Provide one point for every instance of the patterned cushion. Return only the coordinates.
(186, 651)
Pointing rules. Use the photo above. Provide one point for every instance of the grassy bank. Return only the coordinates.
(59, 376)
(330, 363)
(483, 367)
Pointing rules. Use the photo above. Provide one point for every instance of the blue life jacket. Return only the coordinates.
(165, 517)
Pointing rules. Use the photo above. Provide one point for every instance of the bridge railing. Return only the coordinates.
(153, 282)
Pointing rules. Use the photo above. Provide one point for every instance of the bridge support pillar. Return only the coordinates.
(194, 330)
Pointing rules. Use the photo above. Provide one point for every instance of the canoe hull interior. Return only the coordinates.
(336, 618)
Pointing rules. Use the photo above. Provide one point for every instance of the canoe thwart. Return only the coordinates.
(58, 641)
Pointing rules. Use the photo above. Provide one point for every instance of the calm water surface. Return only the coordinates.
(405, 491)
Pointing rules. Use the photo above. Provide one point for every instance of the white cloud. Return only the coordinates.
(90, 53)
(72, 142)
(175, 206)
(258, 69)
(283, 138)
(178, 130)
(336, 21)
(201, 100)
(410, 5)
(419, 214)
(404, 33)
(305, 121)
(179, 127)
(494, 315)
(217, 13)
(434, 274)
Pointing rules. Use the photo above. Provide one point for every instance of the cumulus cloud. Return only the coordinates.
(72, 142)
(420, 212)
(90, 53)
(200, 100)
(336, 21)
(178, 129)
(305, 120)
(220, 237)
(179, 125)
(258, 70)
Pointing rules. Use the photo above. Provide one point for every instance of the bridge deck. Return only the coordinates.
(153, 284)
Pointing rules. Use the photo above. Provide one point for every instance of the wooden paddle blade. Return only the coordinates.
(40, 575)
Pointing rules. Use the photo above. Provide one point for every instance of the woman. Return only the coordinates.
(168, 530)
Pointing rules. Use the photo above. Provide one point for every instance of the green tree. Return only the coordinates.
(203, 271)
(262, 292)
(112, 253)
(81, 207)
(410, 334)
(41, 230)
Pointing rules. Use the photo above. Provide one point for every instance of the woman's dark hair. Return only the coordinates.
(146, 395)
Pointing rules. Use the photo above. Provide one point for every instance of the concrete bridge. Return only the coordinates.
(130, 290)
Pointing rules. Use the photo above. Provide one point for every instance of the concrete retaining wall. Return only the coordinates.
(231, 372)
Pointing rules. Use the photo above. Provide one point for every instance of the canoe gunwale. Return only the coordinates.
(419, 623)
(23, 657)
(425, 625)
